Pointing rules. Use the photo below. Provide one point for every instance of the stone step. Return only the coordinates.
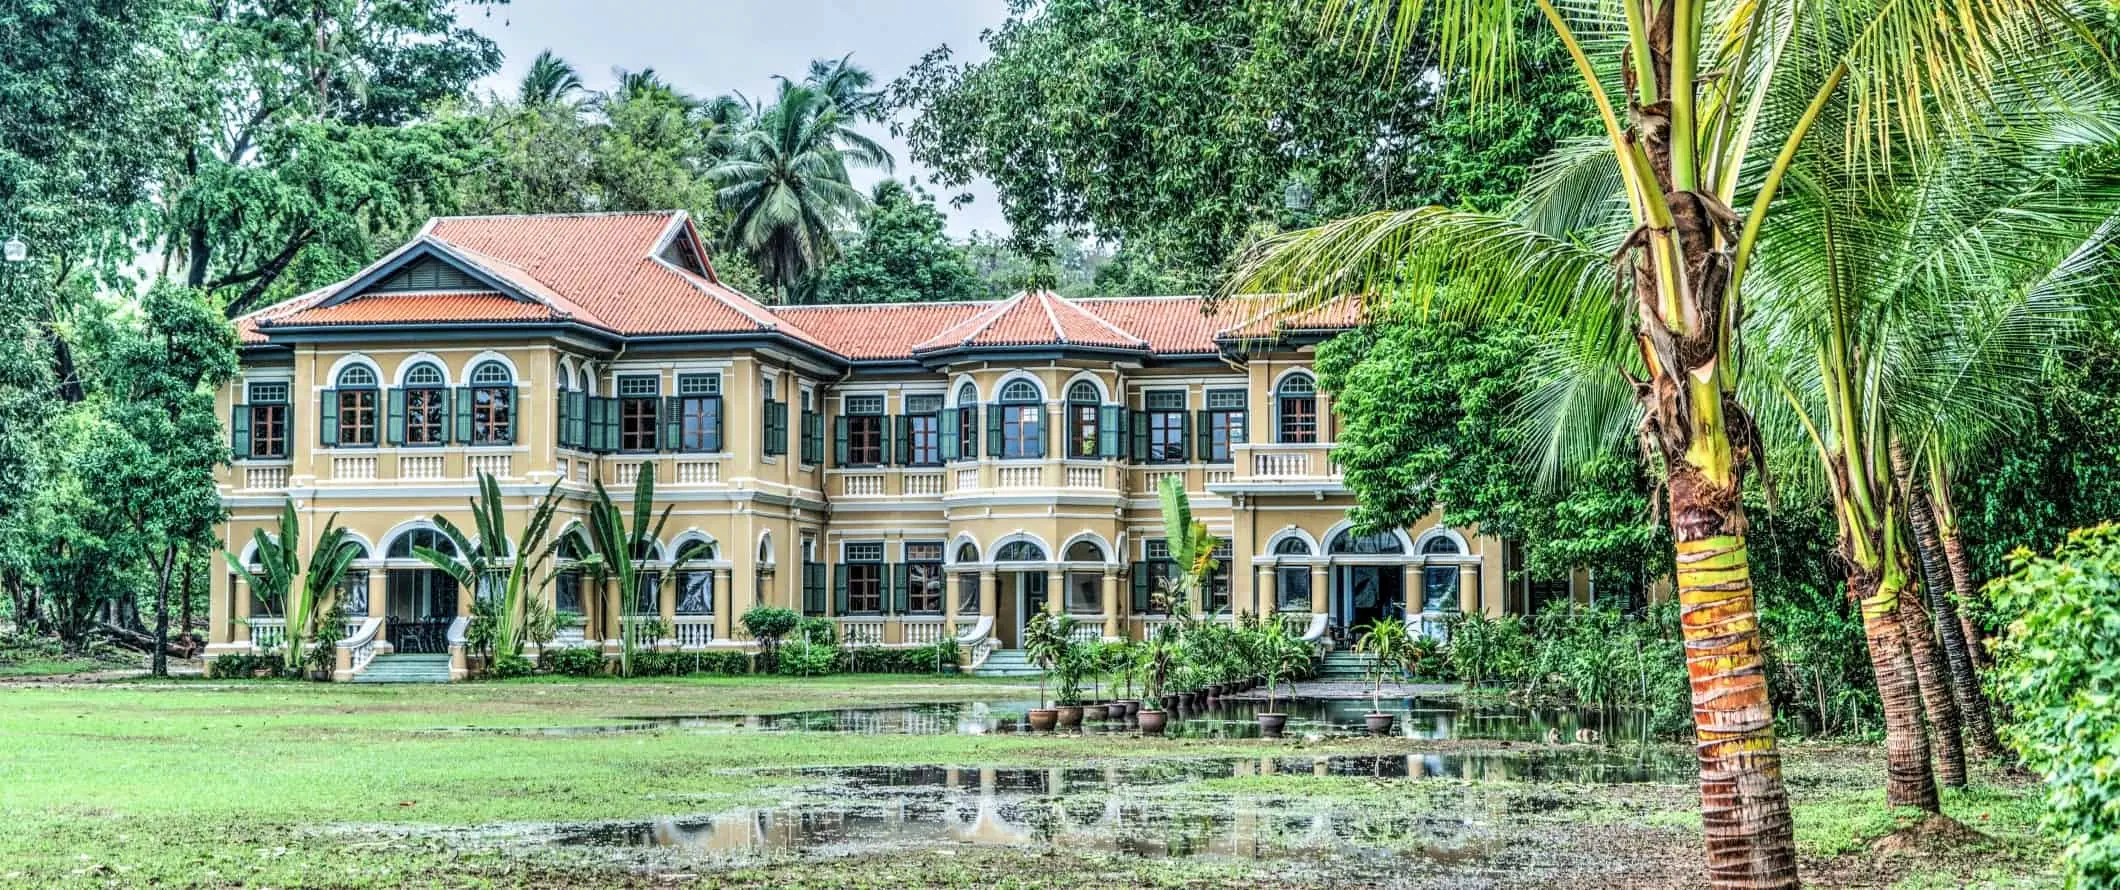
(405, 669)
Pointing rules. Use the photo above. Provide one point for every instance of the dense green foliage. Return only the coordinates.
(1178, 127)
(2061, 470)
(2058, 668)
(902, 255)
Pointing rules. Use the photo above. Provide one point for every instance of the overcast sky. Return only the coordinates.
(709, 47)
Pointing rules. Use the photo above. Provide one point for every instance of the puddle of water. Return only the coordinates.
(1113, 809)
(1420, 718)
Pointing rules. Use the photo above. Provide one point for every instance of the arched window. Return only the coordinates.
(966, 447)
(1292, 582)
(401, 547)
(765, 549)
(492, 414)
(1085, 551)
(967, 582)
(1019, 424)
(353, 586)
(567, 588)
(423, 405)
(1440, 545)
(647, 596)
(695, 582)
(353, 402)
(1020, 551)
(967, 552)
(1378, 544)
(1291, 546)
(1296, 410)
(1082, 411)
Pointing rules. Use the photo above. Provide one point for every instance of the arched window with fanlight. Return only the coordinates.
(1015, 427)
(419, 409)
(695, 579)
(349, 408)
(1296, 410)
(422, 599)
(485, 411)
(960, 425)
(1084, 591)
(967, 581)
(567, 585)
(1084, 404)
(1292, 581)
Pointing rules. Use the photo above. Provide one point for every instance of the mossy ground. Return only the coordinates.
(197, 784)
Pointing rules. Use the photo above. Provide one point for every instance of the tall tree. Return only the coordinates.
(1701, 86)
(786, 190)
(550, 81)
(901, 255)
(848, 86)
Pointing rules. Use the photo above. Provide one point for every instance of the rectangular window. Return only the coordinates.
(695, 592)
(774, 429)
(923, 440)
(1156, 569)
(699, 384)
(1022, 430)
(1292, 589)
(1218, 586)
(356, 417)
(699, 412)
(1225, 424)
(864, 440)
(864, 574)
(925, 582)
(1082, 430)
(424, 413)
(864, 405)
(492, 417)
(267, 414)
(1166, 426)
(1299, 419)
(968, 593)
(1085, 594)
(638, 404)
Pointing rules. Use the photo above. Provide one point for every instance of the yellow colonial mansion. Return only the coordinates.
(907, 470)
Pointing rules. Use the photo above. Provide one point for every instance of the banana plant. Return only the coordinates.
(1192, 548)
(279, 577)
(490, 569)
(617, 542)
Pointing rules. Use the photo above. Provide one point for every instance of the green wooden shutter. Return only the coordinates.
(839, 441)
(946, 437)
(328, 418)
(969, 448)
(839, 589)
(712, 433)
(901, 585)
(566, 418)
(397, 416)
(673, 423)
(810, 446)
(1109, 419)
(515, 420)
(994, 443)
(902, 448)
(1140, 578)
(1204, 442)
(463, 415)
(1138, 422)
(239, 430)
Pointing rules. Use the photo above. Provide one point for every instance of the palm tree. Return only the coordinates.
(280, 577)
(1701, 86)
(550, 81)
(786, 187)
(491, 569)
(848, 86)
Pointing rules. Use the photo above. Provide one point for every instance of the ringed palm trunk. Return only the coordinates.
(1946, 742)
(1908, 779)
(1950, 630)
(1961, 568)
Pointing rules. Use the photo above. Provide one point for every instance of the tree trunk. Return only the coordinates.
(1962, 579)
(1965, 682)
(159, 665)
(1946, 742)
(1908, 782)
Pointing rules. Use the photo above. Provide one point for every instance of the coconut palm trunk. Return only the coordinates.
(1939, 707)
(1961, 568)
(1908, 782)
(1978, 727)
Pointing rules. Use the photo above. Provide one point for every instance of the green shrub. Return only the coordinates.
(916, 660)
(507, 667)
(577, 661)
(678, 664)
(769, 625)
(2058, 669)
(803, 658)
(244, 667)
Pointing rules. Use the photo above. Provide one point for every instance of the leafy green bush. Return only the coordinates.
(508, 667)
(916, 660)
(769, 625)
(578, 661)
(2058, 668)
(1484, 650)
(244, 667)
(807, 658)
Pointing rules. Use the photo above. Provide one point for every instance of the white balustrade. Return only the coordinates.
(499, 466)
(1153, 623)
(968, 478)
(420, 466)
(359, 642)
(1021, 477)
(356, 469)
(629, 472)
(1085, 477)
(1153, 479)
(864, 484)
(267, 634)
(861, 631)
(1218, 477)
(1280, 464)
(922, 632)
(698, 472)
(1088, 629)
(694, 631)
(264, 477)
(923, 483)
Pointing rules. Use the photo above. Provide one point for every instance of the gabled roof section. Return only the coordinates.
(1171, 325)
(1032, 318)
(1266, 318)
(878, 331)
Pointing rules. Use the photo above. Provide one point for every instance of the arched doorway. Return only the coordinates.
(423, 599)
(1368, 579)
(1021, 564)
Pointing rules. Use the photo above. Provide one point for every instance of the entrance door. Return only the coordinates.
(422, 606)
(1363, 594)
(1030, 600)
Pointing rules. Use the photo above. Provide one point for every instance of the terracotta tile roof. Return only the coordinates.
(1261, 318)
(1032, 319)
(1173, 325)
(878, 330)
(412, 308)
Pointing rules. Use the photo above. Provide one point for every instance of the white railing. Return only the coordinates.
(968, 478)
(359, 645)
(980, 640)
(1278, 464)
(499, 466)
(1088, 629)
(629, 473)
(1022, 477)
(698, 472)
(1218, 477)
(1152, 623)
(861, 631)
(267, 634)
(353, 468)
(563, 468)
(264, 477)
(865, 484)
(1085, 477)
(923, 483)
(694, 631)
(1153, 479)
(922, 632)
(420, 466)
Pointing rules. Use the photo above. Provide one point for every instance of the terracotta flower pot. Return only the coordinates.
(1152, 721)
(1043, 719)
(1271, 724)
(1070, 715)
(1379, 724)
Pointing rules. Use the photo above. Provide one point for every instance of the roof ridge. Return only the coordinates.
(576, 214)
(1107, 323)
(1111, 298)
(888, 304)
(708, 288)
(1045, 301)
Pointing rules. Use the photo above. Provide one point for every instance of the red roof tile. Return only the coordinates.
(878, 330)
(1174, 325)
(1263, 317)
(1032, 319)
(410, 308)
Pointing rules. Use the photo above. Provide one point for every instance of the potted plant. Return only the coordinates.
(1045, 643)
(1070, 668)
(1155, 669)
(1281, 655)
(1126, 660)
(1388, 644)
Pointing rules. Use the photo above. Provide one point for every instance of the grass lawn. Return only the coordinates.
(195, 783)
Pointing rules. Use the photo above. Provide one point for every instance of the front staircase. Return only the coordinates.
(1007, 663)
(405, 669)
(1344, 666)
